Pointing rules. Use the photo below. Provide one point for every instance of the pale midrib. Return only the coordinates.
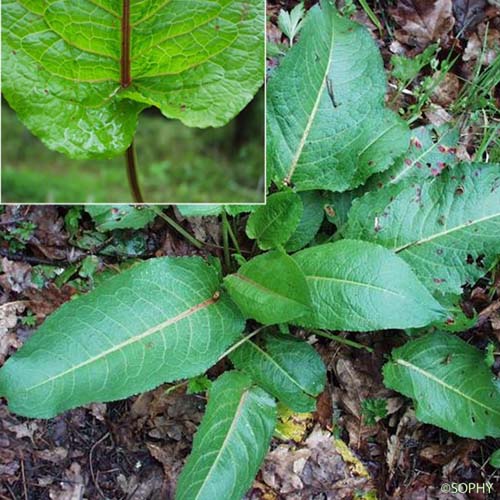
(232, 428)
(432, 377)
(129, 341)
(263, 288)
(280, 368)
(446, 232)
(312, 116)
(355, 283)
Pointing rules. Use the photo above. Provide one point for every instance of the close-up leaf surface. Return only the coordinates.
(162, 320)
(450, 384)
(447, 228)
(270, 288)
(79, 73)
(231, 441)
(360, 286)
(286, 367)
(328, 127)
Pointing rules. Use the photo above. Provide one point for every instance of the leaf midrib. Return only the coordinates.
(314, 111)
(354, 283)
(280, 368)
(129, 341)
(432, 377)
(445, 232)
(231, 430)
(246, 279)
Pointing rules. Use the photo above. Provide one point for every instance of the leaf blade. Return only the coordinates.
(288, 368)
(358, 286)
(273, 223)
(226, 456)
(447, 228)
(55, 371)
(426, 369)
(338, 103)
(270, 288)
(65, 69)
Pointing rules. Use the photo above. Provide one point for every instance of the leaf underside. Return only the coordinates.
(327, 124)
(231, 441)
(447, 228)
(78, 73)
(450, 383)
(155, 323)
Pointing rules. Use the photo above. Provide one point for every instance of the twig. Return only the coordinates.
(225, 241)
(242, 341)
(342, 340)
(131, 161)
(23, 475)
(197, 243)
(488, 311)
(94, 480)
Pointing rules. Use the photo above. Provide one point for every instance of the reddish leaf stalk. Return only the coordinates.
(133, 179)
(126, 78)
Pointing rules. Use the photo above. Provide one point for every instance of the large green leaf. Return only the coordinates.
(231, 442)
(273, 223)
(270, 288)
(450, 384)
(288, 368)
(109, 217)
(447, 228)
(359, 286)
(162, 320)
(327, 124)
(78, 72)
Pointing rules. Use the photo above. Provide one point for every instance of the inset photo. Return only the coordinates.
(124, 101)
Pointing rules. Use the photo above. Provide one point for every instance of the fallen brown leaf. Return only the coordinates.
(423, 22)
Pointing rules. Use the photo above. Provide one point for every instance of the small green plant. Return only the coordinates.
(369, 226)
(79, 78)
(18, 235)
(290, 23)
(373, 410)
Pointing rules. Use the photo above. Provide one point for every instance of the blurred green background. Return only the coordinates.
(176, 164)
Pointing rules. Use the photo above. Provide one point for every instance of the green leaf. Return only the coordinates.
(231, 442)
(65, 66)
(272, 224)
(405, 69)
(327, 124)
(447, 228)
(495, 459)
(359, 286)
(310, 222)
(199, 210)
(286, 367)
(109, 217)
(270, 288)
(160, 321)
(449, 383)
